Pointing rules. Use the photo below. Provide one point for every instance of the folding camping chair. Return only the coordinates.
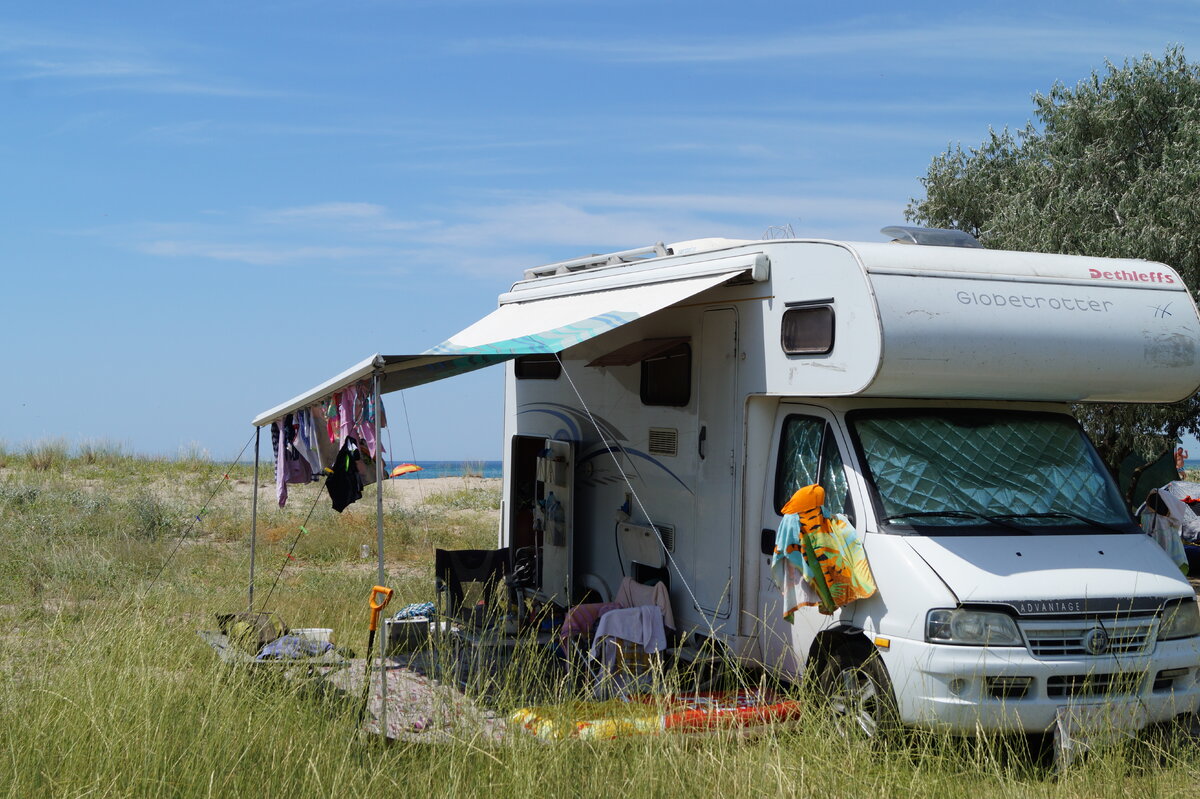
(467, 583)
(471, 598)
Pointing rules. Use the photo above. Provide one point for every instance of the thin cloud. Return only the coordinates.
(104, 65)
(91, 68)
(993, 42)
(326, 212)
(258, 254)
(190, 87)
(502, 231)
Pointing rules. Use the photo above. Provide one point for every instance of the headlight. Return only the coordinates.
(1181, 620)
(971, 628)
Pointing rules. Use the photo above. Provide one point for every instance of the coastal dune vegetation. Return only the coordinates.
(110, 563)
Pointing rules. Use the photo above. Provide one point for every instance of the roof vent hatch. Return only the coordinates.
(931, 236)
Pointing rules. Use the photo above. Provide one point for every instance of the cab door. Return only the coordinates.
(808, 448)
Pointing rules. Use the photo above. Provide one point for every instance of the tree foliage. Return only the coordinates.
(1111, 168)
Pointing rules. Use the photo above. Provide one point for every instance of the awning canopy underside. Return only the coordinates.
(537, 326)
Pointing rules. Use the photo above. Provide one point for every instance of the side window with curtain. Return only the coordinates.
(808, 453)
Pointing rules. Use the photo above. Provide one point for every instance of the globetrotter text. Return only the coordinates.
(1034, 301)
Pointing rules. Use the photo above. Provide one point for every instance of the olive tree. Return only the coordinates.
(1110, 168)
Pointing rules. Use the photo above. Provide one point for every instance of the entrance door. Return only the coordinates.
(715, 543)
(555, 517)
(806, 451)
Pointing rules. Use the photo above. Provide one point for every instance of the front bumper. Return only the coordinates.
(1005, 689)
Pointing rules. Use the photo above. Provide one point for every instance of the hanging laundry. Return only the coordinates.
(289, 466)
(632, 594)
(788, 569)
(347, 406)
(355, 411)
(330, 407)
(364, 427)
(343, 481)
(326, 450)
(304, 440)
(827, 553)
(281, 492)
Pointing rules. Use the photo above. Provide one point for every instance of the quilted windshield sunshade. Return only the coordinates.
(985, 463)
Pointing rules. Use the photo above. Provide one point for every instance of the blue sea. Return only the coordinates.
(431, 469)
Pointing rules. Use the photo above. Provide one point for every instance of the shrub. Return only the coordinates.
(17, 496)
(102, 450)
(151, 518)
(47, 455)
(193, 452)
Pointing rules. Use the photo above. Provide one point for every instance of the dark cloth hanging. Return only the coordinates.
(344, 483)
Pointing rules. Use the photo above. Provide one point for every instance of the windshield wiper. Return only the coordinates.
(1065, 515)
(957, 514)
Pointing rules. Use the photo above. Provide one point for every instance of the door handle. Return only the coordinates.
(766, 542)
(703, 437)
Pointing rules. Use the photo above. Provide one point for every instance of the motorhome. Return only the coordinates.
(662, 404)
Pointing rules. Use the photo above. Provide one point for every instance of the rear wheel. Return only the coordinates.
(856, 688)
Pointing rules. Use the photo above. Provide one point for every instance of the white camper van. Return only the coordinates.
(662, 404)
(671, 400)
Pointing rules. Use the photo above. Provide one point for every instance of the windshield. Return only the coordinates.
(946, 471)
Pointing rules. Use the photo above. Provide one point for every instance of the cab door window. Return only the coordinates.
(808, 453)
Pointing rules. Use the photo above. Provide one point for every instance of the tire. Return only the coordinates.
(855, 687)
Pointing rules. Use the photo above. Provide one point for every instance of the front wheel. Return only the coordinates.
(856, 688)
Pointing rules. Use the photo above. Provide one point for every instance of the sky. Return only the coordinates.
(212, 207)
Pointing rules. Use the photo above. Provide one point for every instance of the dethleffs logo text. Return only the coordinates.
(1136, 277)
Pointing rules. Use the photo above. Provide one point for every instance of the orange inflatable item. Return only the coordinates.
(654, 715)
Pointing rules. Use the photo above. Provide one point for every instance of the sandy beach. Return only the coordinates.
(410, 492)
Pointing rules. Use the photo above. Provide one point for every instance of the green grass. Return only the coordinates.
(467, 498)
(107, 691)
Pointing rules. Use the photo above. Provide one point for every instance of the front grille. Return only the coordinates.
(1069, 637)
(1070, 685)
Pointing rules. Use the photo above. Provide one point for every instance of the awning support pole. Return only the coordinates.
(383, 645)
(254, 518)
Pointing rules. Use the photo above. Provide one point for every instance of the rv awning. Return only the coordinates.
(541, 324)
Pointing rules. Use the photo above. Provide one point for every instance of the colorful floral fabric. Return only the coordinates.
(826, 554)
